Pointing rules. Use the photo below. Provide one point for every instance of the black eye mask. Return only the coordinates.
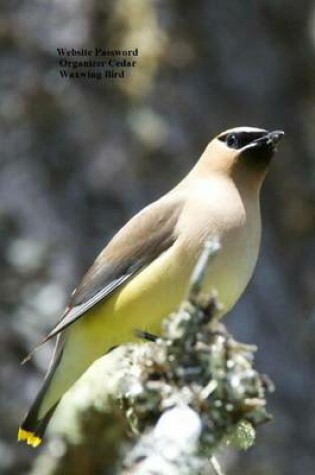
(240, 139)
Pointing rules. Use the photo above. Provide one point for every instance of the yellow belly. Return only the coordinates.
(142, 304)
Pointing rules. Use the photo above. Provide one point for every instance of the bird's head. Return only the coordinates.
(242, 152)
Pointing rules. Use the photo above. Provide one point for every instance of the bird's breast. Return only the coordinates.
(234, 220)
(233, 266)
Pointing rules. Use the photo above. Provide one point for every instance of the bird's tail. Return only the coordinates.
(33, 428)
(36, 420)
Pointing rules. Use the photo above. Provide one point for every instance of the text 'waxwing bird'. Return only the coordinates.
(142, 274)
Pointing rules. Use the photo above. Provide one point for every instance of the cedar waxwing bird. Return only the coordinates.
(142, 275)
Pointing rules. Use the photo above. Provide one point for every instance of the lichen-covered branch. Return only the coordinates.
(166, 407)
(197, 367)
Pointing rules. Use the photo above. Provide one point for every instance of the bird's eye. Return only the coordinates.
(232, 141)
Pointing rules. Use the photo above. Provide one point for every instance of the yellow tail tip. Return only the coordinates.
(29, 437)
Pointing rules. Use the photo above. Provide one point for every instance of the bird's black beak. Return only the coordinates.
(275, 136)
(258, 153)
(269, 140)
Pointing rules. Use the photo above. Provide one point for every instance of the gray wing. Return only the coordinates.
(137, 244)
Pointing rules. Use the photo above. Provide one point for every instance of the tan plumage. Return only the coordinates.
(143, 272)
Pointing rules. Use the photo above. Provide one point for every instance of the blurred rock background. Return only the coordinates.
(79, 157)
